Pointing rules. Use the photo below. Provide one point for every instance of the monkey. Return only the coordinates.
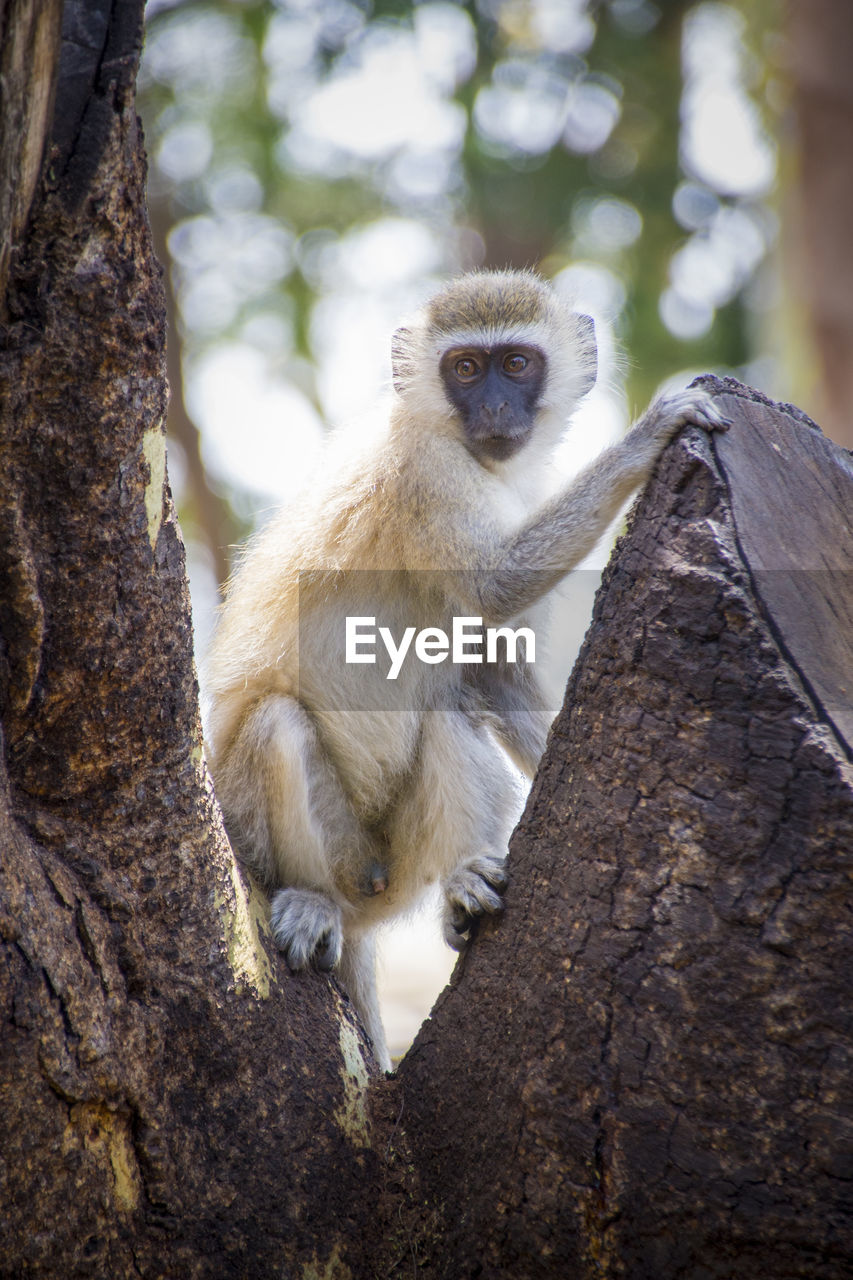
(345, 793)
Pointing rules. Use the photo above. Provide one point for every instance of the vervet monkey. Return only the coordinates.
(345, 802)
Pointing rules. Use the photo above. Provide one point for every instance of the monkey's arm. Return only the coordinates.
(569, 527)
(518, 711)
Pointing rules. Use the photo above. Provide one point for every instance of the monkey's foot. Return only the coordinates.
(473, 890)
(307, 927)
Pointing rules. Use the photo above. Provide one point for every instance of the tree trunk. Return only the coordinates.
(640, 1071)
(644, 1069)
(174, 1104)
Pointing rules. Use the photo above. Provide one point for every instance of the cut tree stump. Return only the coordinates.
(644, 1069)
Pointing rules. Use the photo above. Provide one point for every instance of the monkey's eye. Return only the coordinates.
(515, 363)
(466, 368)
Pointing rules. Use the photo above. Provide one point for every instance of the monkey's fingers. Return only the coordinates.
(695, 407)
(710, 417)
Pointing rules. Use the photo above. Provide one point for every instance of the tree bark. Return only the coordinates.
(174, 1103)
(642, 1070)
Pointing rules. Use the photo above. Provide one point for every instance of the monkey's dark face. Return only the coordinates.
(496, 391)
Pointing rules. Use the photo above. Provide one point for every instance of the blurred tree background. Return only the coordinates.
(316, 166)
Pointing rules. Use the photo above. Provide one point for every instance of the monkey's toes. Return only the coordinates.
(474, 890)
(492, 870)
(457, 929)
(307, 927)
(327, 952)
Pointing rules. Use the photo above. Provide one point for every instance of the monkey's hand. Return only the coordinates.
(666, 415)
(474, 889)
(307, 927)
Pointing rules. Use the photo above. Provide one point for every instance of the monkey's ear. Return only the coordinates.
(400, 363)
(587, 353)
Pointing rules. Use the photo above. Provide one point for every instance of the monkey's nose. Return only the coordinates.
(490, 413)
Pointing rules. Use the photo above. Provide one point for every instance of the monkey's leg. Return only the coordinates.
(519, 713)
(453, 822)
(357, 972)
(288, 816)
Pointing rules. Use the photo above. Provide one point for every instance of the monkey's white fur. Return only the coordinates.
(343, 808)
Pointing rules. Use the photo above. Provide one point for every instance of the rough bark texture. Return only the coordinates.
(644, 1070)
(172, 1103)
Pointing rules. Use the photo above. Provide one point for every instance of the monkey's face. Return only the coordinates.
(496, 391)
